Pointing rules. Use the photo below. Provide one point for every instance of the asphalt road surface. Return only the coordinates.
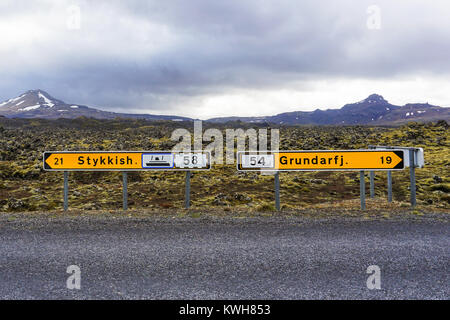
(251, 258)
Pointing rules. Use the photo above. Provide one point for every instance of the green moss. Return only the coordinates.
(22, 177)
(195, 214)
(265, 207)
(444, 187)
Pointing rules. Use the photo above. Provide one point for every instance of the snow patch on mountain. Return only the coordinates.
(31, 107)
(48, 102)
(15, 99)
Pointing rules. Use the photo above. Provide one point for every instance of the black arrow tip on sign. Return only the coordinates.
(399, 165)
(46, 156)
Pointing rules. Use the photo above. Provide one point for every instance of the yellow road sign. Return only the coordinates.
(125, 160)
(325, 160)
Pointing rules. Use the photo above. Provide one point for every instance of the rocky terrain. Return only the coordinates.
(25, 186)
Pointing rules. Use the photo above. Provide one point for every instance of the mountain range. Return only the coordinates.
(39, 104)
(374, 110)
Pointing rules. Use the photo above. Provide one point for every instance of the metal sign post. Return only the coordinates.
(362, 190)
(372, 184)
(277, 191)
(125, 190)
(66, 190)
(187, 190)
(412, 177)
(389, 182)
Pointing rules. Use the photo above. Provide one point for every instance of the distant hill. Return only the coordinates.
(374, 110)
(39, 104)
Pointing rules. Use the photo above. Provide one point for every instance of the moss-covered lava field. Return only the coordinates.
(25, 186)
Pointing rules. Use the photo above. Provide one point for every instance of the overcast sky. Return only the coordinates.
(205, 58)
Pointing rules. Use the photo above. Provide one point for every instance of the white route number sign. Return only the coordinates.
(190, 160)
(258, 160)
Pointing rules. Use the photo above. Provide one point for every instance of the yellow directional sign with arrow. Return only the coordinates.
(325, 160)
(125, 160)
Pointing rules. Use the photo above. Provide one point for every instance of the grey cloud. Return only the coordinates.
(223, 45)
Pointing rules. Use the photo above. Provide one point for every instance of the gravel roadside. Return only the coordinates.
(211, 257)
